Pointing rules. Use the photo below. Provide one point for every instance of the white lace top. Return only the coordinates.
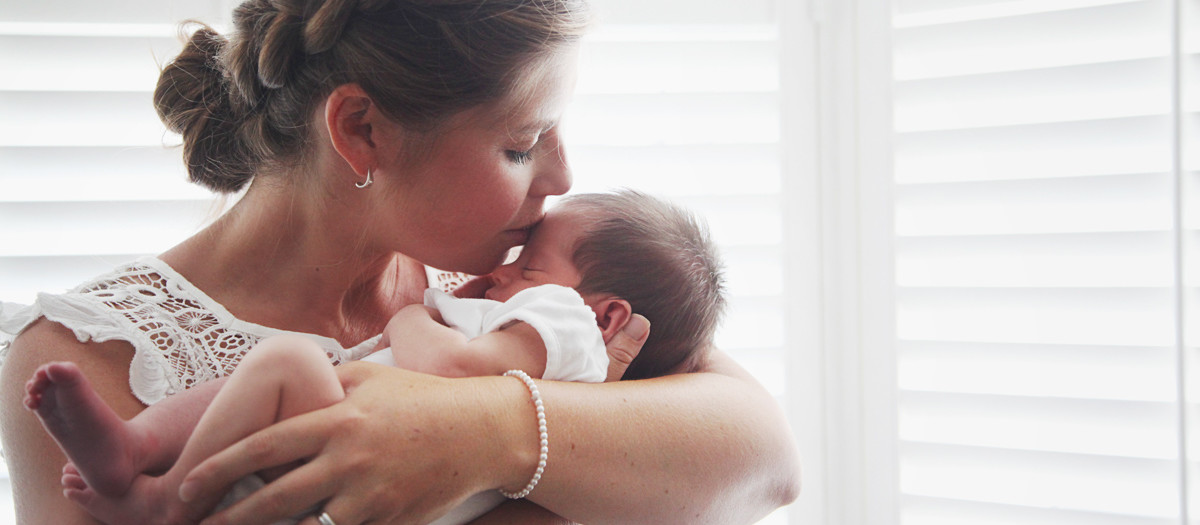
(181, 337)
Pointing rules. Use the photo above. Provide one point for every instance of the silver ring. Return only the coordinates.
(324, 519)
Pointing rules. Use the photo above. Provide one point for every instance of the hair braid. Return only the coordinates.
(279, 48)
(244, 103)
(325, 27)
(192, 99)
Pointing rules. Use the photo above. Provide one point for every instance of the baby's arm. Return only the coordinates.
(422, 343)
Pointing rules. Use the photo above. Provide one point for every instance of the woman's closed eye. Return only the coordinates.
(519, 157)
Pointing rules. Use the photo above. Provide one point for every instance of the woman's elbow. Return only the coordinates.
(787, 487)
(783, 463)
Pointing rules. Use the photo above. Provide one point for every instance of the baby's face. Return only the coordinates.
(546, 258)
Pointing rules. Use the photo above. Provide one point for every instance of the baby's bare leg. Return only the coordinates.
(282, 377)
(279, 378)
(107, 451)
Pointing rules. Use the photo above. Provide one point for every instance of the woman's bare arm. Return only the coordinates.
(733, 496)
(520, 511)
(34, 459)
(706, 447)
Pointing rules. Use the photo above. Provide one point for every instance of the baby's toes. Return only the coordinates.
(71, 478)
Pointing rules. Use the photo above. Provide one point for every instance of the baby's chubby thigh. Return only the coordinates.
(288, 357)
(287, 374)
(292, 374)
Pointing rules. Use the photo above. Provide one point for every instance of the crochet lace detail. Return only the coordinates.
(447, 281)
(180, 336)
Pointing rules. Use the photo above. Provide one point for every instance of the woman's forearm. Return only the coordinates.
(709, 447)
(520, 511)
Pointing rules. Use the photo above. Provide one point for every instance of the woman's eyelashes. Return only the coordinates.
(519, 157)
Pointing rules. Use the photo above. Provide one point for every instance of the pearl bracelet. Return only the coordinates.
(543, 436)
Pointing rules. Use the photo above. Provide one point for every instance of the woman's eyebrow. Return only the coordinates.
(535, 128)
(540, 126)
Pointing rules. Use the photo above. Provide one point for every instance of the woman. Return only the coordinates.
(375, 137)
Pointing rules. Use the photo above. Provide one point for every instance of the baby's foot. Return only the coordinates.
(71, 480)
(100, 445)
(148, 500)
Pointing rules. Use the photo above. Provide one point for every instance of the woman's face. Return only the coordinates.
(484, 184)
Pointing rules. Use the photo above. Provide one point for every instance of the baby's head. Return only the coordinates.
(629, 252)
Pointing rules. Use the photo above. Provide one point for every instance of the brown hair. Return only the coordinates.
(244, 102)
(661, 259)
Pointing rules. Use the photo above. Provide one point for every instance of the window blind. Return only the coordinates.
(675, 98)
(82, 162)
(1044, 289)
(681, 99)
(82, 156)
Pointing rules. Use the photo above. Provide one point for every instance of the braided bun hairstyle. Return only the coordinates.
(243, 102)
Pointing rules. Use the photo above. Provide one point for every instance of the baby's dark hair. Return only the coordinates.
(660, 258)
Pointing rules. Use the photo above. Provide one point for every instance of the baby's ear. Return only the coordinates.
(612, 314)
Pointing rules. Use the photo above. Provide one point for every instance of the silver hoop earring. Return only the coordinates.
(365, 183)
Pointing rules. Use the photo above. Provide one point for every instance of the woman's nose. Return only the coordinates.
(554, 173)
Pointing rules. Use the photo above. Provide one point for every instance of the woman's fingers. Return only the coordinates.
(626, 345)
(355, 373)
(288, 496)
(293, 439)
(401, 448)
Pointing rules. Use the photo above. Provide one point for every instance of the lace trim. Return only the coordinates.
(180, 336)
(446, 281)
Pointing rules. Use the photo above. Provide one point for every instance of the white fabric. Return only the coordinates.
(574, 346)
(180, 336)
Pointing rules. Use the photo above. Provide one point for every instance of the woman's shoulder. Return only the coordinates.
(97, 309)
(44, 341)
(158, 321)
(33, 458)
(60, 326)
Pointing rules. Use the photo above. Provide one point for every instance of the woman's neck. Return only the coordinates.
(278, 261)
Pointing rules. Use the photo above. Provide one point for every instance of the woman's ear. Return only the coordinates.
(350, 120)
(612, 314)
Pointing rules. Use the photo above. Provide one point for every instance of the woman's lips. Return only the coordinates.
(523, 233)
(518, 237)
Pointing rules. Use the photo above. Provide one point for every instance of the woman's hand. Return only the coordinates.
(626, 345)
(401, 448)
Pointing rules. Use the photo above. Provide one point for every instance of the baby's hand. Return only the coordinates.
(475, 288)
(422, 343)
(417, 338)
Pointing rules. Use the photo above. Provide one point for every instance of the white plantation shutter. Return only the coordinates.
(83, 166)
(1045, 173)
(85, 182)
(684, 103)
(679, 98)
